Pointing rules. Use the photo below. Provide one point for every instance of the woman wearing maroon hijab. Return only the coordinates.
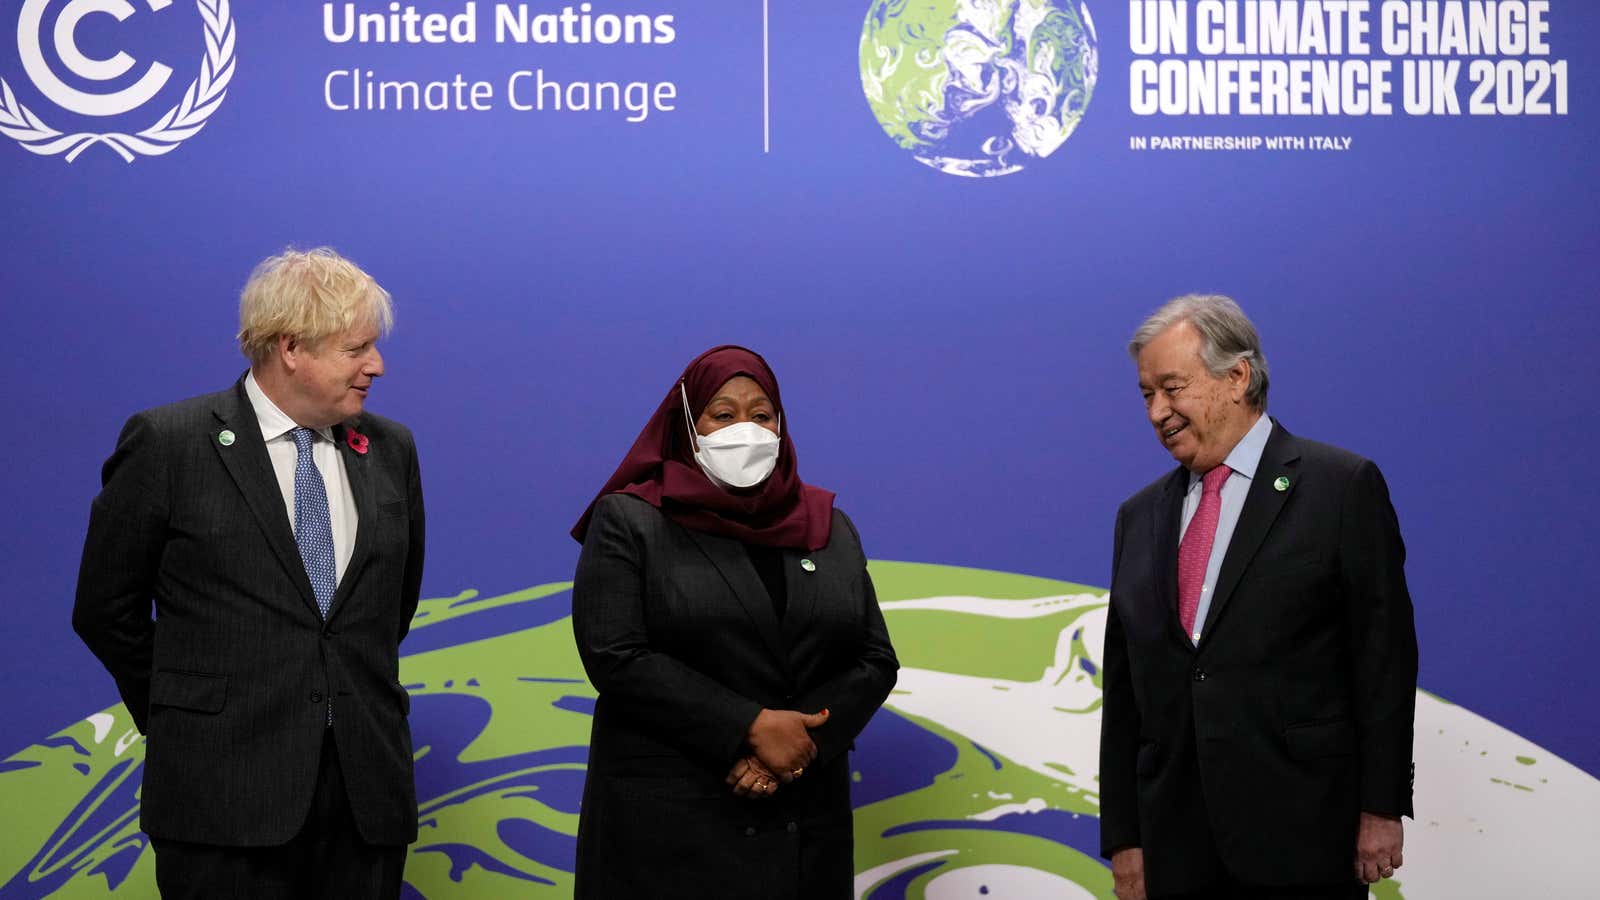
(723, 610)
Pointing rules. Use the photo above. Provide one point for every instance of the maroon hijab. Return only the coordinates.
(660, 468)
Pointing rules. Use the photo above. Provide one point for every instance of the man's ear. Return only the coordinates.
(289, 350)
(1239, 380)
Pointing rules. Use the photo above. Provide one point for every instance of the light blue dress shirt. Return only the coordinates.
(1244, 459)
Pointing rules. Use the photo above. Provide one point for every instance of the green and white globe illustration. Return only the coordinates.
(977, 780)
(979, 87)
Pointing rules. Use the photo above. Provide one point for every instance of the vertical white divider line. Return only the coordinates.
(766, 84)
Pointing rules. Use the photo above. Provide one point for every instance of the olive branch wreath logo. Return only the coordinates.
(181, 122)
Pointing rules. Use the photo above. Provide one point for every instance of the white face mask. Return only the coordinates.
(741, 455)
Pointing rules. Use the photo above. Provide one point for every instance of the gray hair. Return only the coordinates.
(1226, 338)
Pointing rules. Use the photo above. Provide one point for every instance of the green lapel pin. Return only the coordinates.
(1282, 484)
(225, 438)
(808, 565)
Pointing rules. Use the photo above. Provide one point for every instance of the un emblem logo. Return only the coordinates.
(64, 56)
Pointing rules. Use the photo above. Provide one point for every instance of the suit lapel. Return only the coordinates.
(1279, 459)
(358, 473)
(1168, 522)
(251, 470)
(733, 563)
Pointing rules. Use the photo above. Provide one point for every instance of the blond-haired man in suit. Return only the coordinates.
(275, 531)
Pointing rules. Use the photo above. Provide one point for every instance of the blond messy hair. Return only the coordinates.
(308, 295)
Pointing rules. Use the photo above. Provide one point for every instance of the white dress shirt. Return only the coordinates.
(1243, 459)
(275, 428)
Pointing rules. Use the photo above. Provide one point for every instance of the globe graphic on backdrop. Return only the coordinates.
(978, 87)
(978, 780)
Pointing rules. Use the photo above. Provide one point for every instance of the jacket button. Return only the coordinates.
(792, 827)
(316, 696)
(750, 831)
(1199, 674)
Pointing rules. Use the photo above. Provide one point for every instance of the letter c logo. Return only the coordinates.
(67, 97)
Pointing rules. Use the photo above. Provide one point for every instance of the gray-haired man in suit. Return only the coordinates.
(277, 531)
(1260, 655)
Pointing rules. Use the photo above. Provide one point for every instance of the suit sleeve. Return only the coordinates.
(855, 694)
(411, 586)
(121, 557)
(672, 700)
(1119, 727)
(1383, 641)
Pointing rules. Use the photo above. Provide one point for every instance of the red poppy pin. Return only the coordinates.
(357, 441)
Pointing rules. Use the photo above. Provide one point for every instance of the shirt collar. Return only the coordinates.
(1245, 457)
(274, 422)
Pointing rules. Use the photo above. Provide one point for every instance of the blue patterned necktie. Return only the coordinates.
(313, 528)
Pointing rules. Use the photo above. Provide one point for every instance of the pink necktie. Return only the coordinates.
(1195, 550)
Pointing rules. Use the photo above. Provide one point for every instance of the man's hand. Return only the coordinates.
(1127, 870)
(781, 740)
(1378, 844)
(750, 778)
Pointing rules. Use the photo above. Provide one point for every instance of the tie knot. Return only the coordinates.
(303, 438)
(1212, 482)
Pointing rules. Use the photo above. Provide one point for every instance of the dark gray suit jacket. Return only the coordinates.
(678, 634)
(230, 681)
(1258, 749)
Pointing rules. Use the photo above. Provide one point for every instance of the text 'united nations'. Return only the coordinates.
(360, 89)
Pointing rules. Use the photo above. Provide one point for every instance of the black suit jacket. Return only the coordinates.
(231, 679)
(1294, 713)
(679, 636)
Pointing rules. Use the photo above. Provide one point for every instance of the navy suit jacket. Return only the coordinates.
(1257, 750)
(231, 679)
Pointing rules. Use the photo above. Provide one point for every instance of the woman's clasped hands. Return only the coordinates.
(780, 749)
